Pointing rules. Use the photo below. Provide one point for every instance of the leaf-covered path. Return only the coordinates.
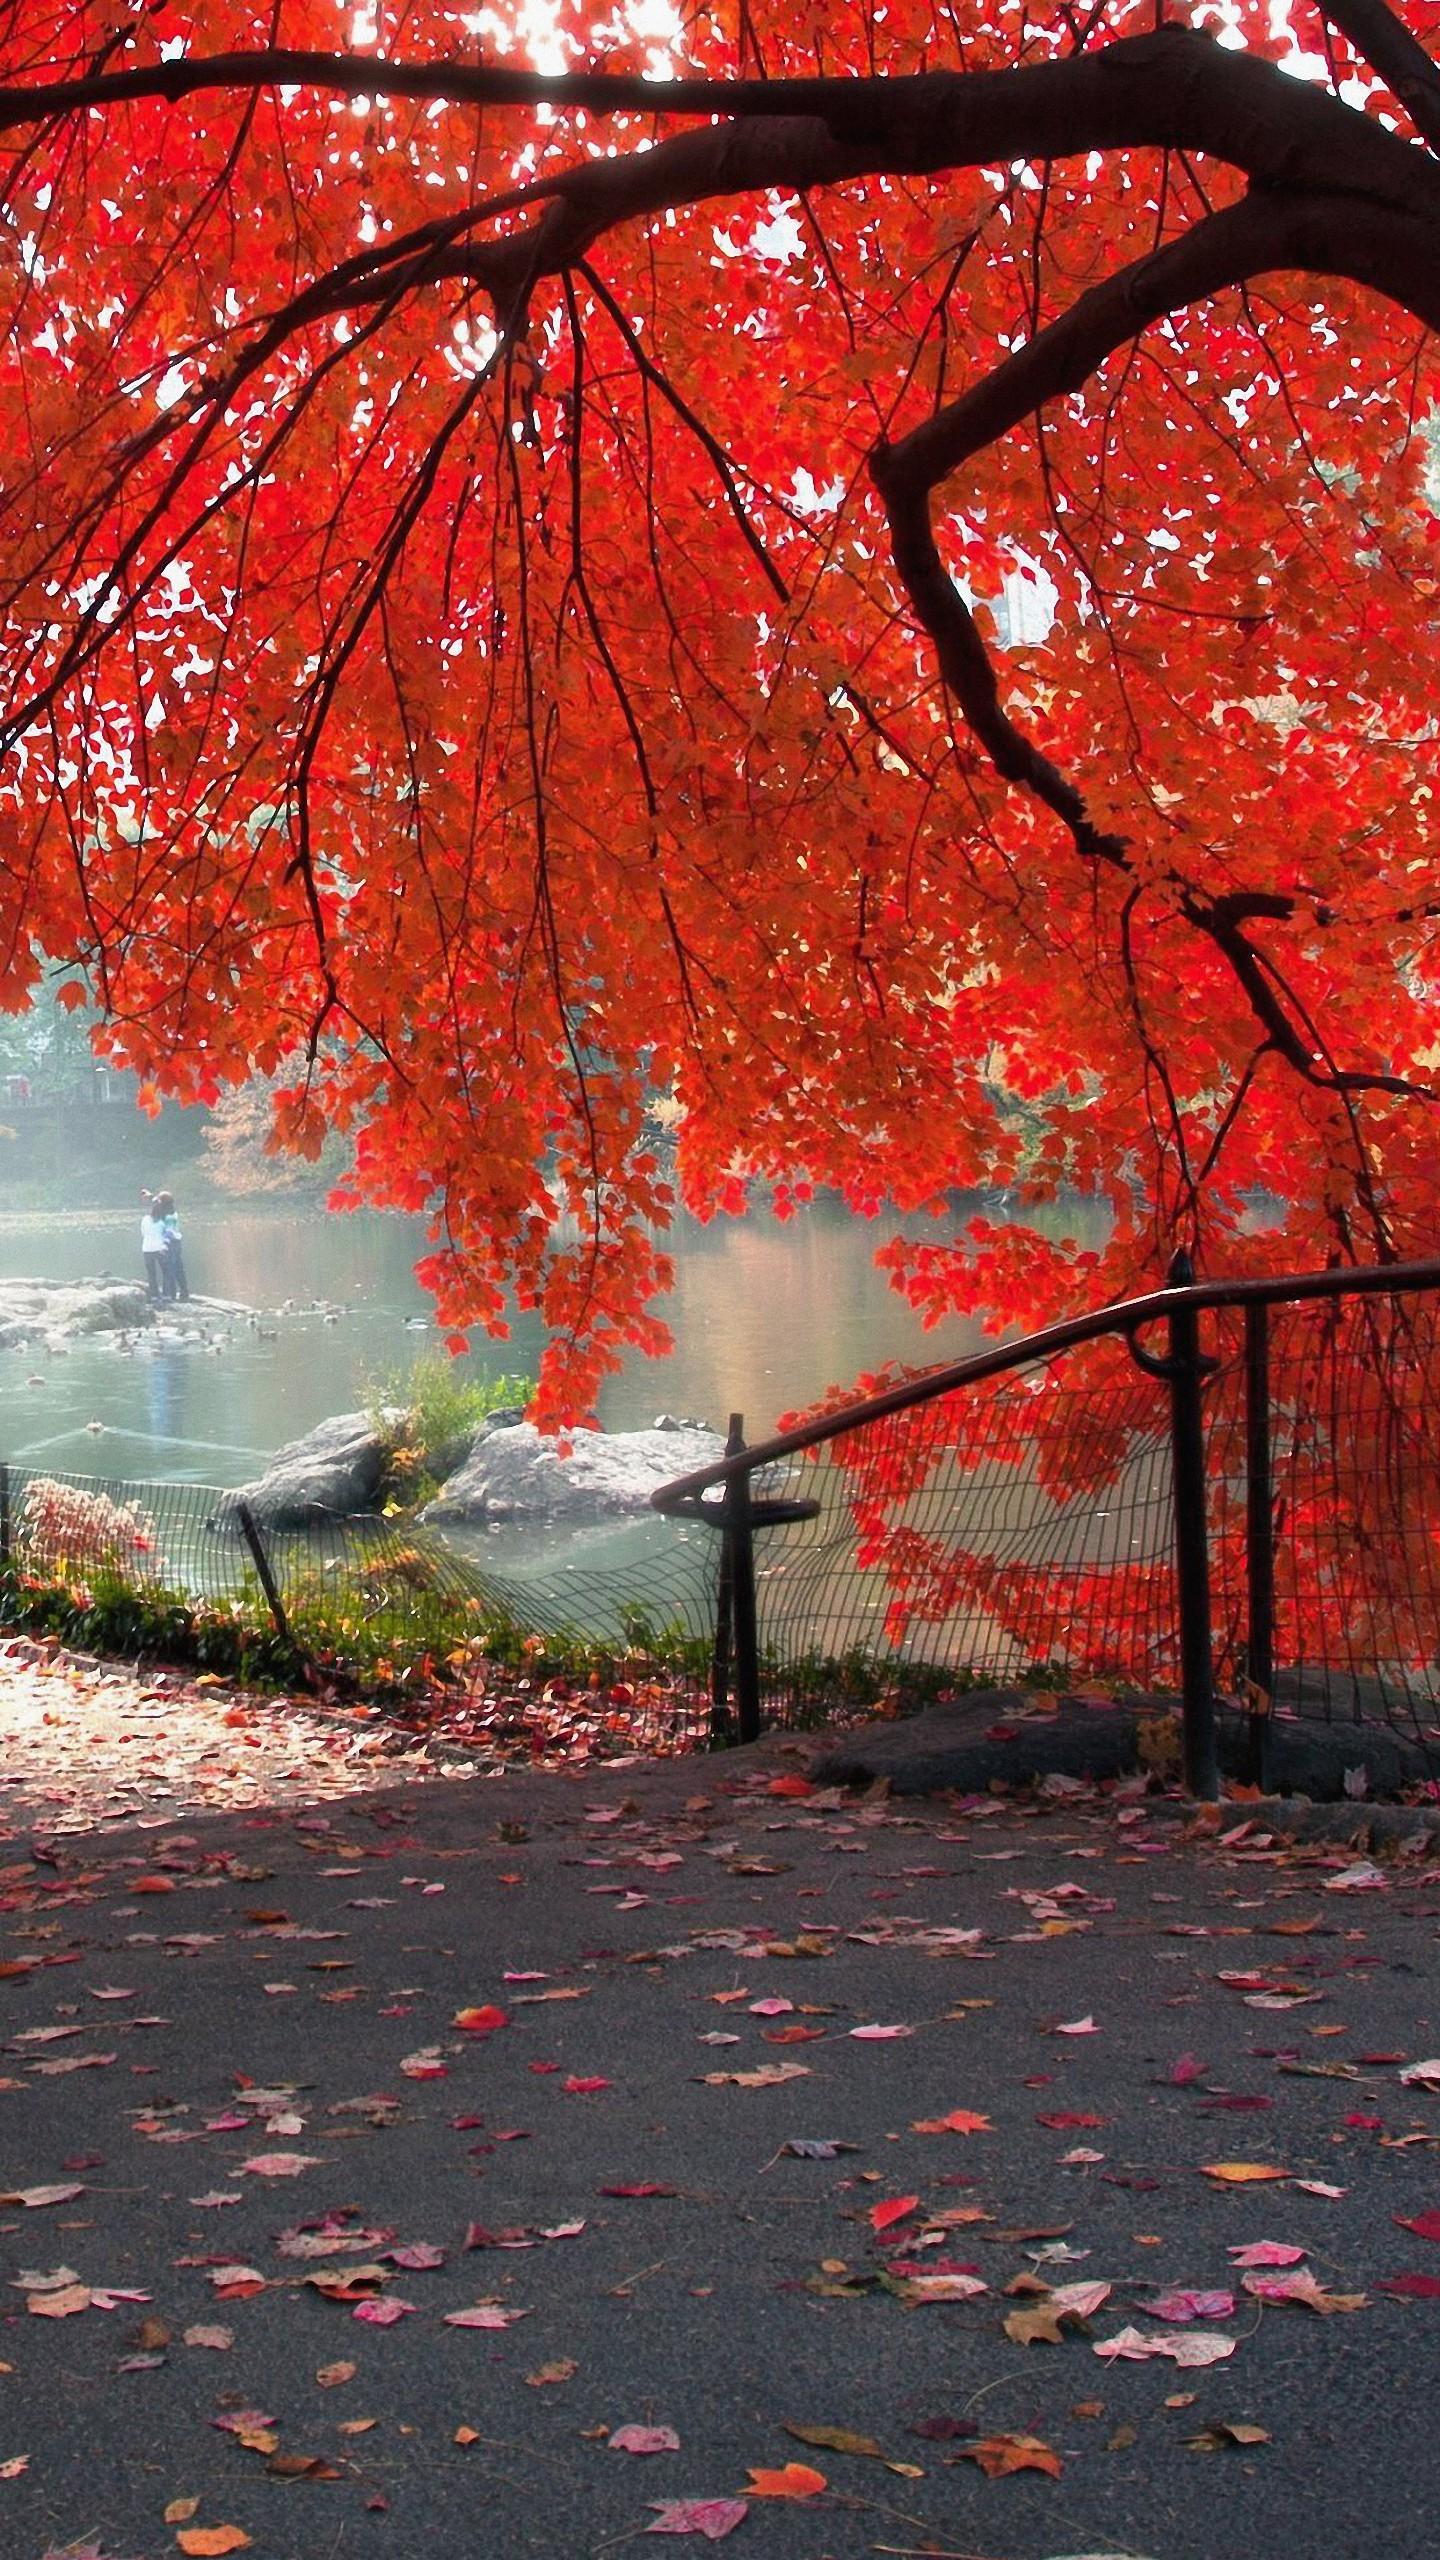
(87, 1743)
(522, 2167)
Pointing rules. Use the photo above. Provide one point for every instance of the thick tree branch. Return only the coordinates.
(1172, 90)
(1385, 42)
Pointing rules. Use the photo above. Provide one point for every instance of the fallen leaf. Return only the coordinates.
(482, 2315)
(1187, 2347)
(1242, 2173)
(279, 2164)
(1416, 2288)
(482, 2021)
(180, 2510)
(1426, 2226)
(212, 2541)
(418, 2254)
(60, 2305)
(33, 2196)
(999, 2456)
(330, 2376)
(1079, 2301)
(202, 2335)
(1300, 2287)
(936, 2287)
(767, 2076)
(793, 2480)
(1182, 2305)
(466, 2435)
(563, 2369)
(960, 2120)
(1033, 2327)
(644, 2440)
(712, 2518)
(894, 2209)
(1222, 2432)
(1267, 2253)
(835, 2439)
(582, 2087)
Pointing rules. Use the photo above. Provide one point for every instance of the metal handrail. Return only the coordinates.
(1125, 1315)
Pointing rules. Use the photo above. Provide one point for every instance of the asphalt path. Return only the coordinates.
(219, 2035)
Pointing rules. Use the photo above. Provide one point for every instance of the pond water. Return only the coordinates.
(765, 1314)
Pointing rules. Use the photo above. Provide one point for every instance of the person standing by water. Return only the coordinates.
(173, 1280)
(152, 1246)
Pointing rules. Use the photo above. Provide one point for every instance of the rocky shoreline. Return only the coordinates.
(503, 1471)
(54, 1313)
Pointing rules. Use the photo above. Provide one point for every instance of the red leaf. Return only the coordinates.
(894, 2209)
(1426, 2226)
(482, 2021)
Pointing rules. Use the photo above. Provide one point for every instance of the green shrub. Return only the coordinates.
(439, 1404)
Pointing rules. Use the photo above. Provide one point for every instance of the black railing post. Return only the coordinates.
(737, 1584)
(724, 1606)
(1185, 1367)
(250, 1532)
(6, 1532)
(1259, 1537)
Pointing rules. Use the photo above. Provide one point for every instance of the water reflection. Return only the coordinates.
(765, 1316)
(165, 1373)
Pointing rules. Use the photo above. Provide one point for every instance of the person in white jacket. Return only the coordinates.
(152, 1247)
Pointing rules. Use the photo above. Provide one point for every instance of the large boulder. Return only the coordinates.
(336, 1470)
(56, 1311)
(515, 1472)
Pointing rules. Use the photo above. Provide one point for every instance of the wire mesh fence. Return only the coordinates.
(381, 1604)
(1014, 1528)
(1022, 1527)
(987, 1533)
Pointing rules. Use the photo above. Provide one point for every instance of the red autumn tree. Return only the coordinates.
(494, 565)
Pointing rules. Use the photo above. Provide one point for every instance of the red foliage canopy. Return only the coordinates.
(493, 567)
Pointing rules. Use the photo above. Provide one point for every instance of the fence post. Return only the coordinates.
(1259, 1537)
(5, 1529)
(737, 1585)
(250, 1532)
(724, 1604)
(1185, 1367)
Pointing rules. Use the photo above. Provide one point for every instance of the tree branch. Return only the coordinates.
(1385, 42)
(1174, 89)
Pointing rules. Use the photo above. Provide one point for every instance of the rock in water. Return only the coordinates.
(335, 1471)
(54, 1311)
(516, 1473)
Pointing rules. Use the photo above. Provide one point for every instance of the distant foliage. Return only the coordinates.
(243, 1158)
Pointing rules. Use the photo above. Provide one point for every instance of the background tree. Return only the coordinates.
(487, 576)
(241, 1157)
